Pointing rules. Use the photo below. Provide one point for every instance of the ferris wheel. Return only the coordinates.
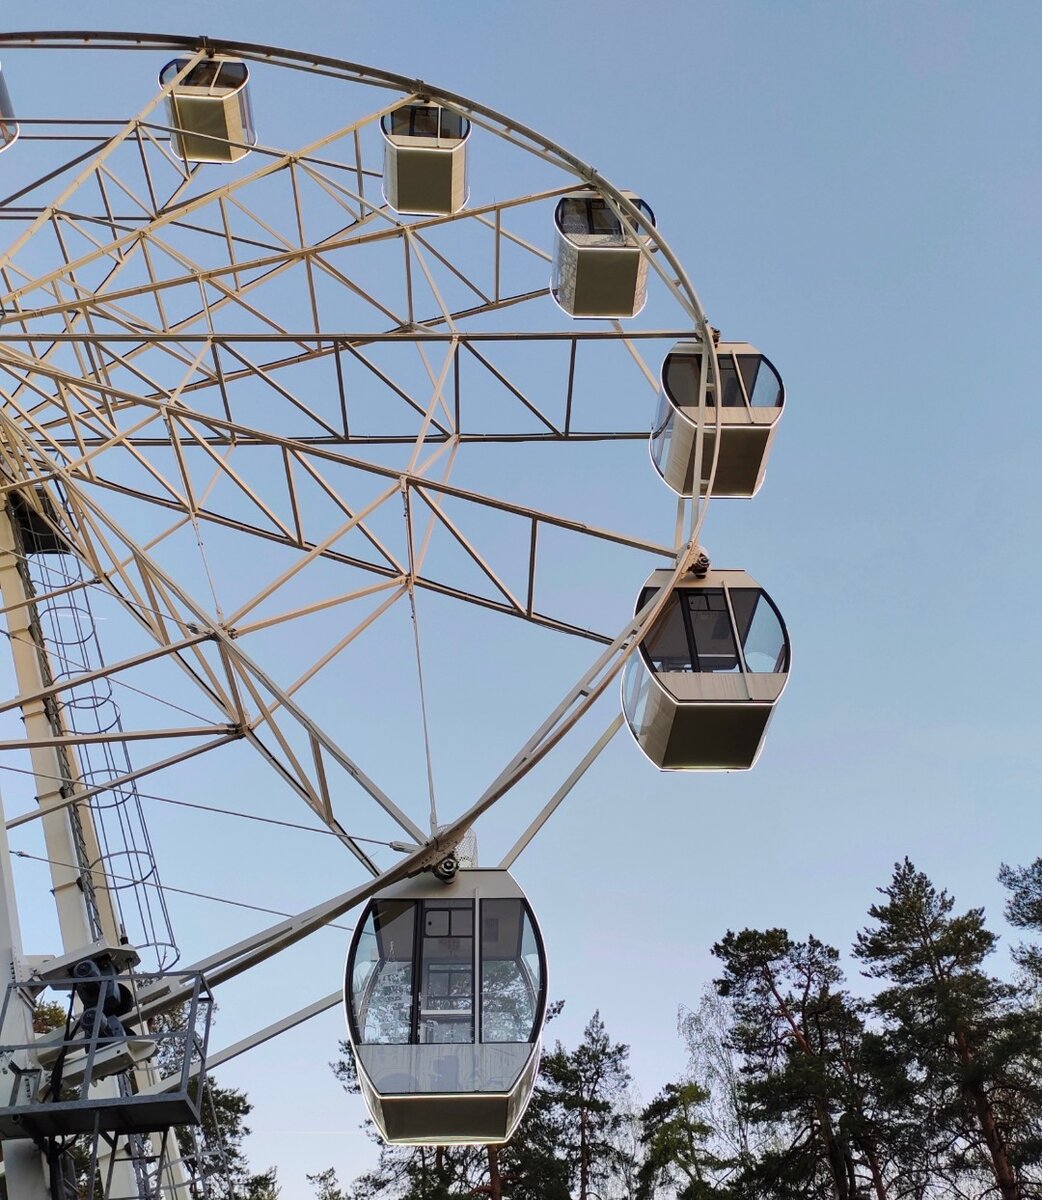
(314, 378)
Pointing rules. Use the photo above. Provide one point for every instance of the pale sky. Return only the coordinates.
(855, 189)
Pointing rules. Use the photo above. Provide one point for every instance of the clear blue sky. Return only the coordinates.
(854, 188)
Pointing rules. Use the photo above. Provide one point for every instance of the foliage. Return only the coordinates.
(962, 1034)
(1024, 910)
(804, 1074)
(48, 1015)
(584, 1088)
(675, 1142)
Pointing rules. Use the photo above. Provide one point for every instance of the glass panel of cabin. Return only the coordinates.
(382, 979)
(766, 391)
(203, 74)
(452, 124)
(509, 983)
(760, 628)
(730, 388)
(682, 379)
(424, 121)
(666, 646)
(601, 218)
(233, 74)
(715, 649)
(397, 122)
(446, 1009)
(171, 69)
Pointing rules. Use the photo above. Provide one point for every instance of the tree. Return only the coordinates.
(584, 1089)
(805, 1074)
(675, 1140)
(48, 1015)
(713, 1060)
(327, 1185)
(1024, 910)
(958, 1030)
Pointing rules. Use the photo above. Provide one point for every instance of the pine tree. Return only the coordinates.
(958, 1031)
(587, 1087)
(806, 1077)
(676, 1153)
(1024, 910)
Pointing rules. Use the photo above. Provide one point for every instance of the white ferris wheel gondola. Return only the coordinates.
(210, 109)
(445, 993)
(745, 420)
(600, 266)
(701, 689)
(425, 159)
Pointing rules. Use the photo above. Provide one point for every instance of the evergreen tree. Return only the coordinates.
(676, 1153)
(1024, 910)
(806, 1076)
(959, 1032)
(327, 1185)
(586, 1087)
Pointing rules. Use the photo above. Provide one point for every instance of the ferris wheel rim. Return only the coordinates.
(375, 76)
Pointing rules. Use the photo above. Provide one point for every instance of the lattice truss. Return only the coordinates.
(265, 413)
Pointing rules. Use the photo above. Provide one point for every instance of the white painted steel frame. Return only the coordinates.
(57, 425)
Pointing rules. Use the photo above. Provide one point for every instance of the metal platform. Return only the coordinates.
(137, 1083)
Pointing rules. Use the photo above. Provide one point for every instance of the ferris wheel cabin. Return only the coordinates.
(210, 109)
(425, 159)
(751, 399)
(8, 125)
(701, 689)
(445, 994)
(600, 267)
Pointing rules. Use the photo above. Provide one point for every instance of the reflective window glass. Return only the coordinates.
(424, 121)
(602, 219)
(664, 414)
(381, 980)
(730, 388)
(571, 215)
(666, 646)
(398, 122)
(203, 74)
(683, 373)
(171, 69)
(715, 649)
(760, 628)
(446, 999)
(511, 972)
(766, 391)
(232, 74)
(453, 125)
(646, 211)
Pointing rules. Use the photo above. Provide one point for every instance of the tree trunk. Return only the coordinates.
(584, 1158)
(495, 1180)
(833, 1154)
(869, 1151)
(993, 1138)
